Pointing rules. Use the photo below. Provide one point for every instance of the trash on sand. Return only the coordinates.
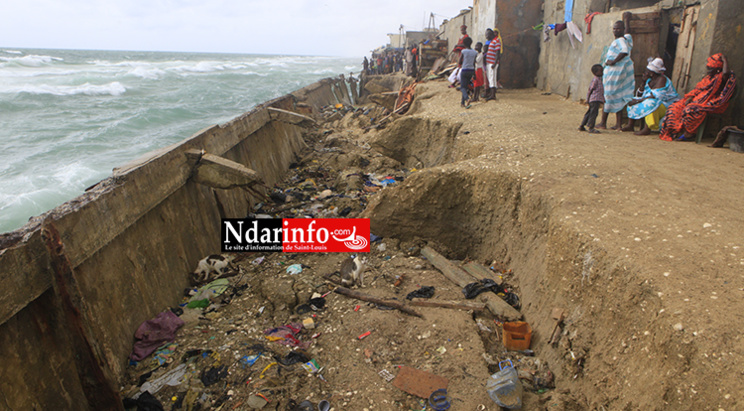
(285, 335)
(439, 400)
(293, 357)
(419, 383)
(504, 387)
(248, 360)
(164, 353)
(517, 335)
(145, 401)
(213, 375)
(386, 375)
(151, 334)
(256, 402)
(263, 372)
(423, 292)
(172, 378)
(294, 269)
(308, 323)
(258, 260)
(365, 335)
(472, 290)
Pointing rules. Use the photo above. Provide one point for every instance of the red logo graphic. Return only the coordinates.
(325, 235)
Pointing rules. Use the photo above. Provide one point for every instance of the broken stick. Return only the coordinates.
(388, 303)
(449, 304)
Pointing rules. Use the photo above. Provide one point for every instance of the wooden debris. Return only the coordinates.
(449, 304)
(388, 303)
(478, 271)
(457, 275)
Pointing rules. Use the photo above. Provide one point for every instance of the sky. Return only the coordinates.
(344, 28)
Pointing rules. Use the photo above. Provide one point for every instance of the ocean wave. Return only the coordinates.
(31, 60)
(12, 52)
(113, 89)
(150, 73)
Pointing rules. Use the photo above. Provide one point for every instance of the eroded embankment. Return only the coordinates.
(606, 357)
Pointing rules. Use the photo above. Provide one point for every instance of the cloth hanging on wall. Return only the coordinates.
(569, 10)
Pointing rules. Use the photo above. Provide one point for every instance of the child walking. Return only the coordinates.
(594, 97)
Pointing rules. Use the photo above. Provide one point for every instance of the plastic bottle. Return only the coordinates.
(504, 387)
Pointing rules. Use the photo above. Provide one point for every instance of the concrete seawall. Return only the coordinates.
(129, 242)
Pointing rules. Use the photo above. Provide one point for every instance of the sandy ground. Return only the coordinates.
(671, 211)
(659, 332)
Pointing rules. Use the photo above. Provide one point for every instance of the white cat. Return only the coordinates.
(214, 263)
(352, 271)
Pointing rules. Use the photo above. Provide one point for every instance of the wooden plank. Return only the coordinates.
(478, 271)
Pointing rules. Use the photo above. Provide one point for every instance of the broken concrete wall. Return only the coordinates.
(131, 242)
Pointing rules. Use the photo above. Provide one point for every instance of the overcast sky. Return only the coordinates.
(305, 27)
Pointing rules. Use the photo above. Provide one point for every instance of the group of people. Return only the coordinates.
(385, 62)
(477, 68)
(658, 105)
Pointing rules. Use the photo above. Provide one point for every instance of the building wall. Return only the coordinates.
(484, 17)
(450, 29)
(566, 71)
(521, 44)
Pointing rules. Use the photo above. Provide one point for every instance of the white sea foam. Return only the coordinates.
(12, 52)
(50, 122)
(151, 73)
(113, 89)
(29, 61)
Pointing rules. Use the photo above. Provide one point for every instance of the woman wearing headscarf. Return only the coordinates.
(710, 95)
(658, 94)
(618, 78)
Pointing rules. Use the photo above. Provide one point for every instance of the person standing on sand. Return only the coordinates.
(467, 72)
(594, 98)
(492, 61)
(618, 80)
(478, 81)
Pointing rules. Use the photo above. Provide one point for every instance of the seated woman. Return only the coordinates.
(710, 95)
(658, 94)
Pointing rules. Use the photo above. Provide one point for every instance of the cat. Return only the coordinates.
(352, 271)
(214, 263)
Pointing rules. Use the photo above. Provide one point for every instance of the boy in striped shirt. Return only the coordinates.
(493, 56)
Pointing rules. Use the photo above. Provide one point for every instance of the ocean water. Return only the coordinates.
(68, 117)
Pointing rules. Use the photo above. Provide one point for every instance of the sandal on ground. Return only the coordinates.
(594, 131)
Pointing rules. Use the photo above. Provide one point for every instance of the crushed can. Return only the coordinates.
(504, 387)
